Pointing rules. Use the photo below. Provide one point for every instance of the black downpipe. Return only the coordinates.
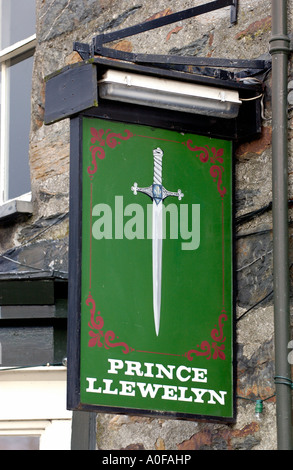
(279, 49)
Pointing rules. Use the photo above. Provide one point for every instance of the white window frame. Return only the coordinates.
(15, 50)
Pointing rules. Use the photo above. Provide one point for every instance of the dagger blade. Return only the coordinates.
(157, 245)
(157, 193)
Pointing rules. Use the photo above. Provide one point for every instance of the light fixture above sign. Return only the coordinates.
(227, 109)
(169, 94)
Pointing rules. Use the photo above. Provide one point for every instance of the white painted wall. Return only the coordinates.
(33, 402)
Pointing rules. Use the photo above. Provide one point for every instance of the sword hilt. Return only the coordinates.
(157, 192)
(158, 157)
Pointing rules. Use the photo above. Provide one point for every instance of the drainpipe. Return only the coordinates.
(279, 49)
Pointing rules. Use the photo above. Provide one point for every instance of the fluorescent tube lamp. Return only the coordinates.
(169, 94)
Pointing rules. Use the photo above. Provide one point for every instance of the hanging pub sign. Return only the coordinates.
(155, 270)
(150, 303)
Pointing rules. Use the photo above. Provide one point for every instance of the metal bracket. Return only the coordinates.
(234, 12)
(97, 47)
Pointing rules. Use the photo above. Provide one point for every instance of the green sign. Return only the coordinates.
(156, 272)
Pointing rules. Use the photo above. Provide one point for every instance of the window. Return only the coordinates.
(17, 43)
(33, 414)
(19, 443)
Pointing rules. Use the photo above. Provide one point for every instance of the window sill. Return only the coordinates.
(12, 210)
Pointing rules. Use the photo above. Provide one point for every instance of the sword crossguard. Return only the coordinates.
(150, 191)
(178, 194)
(157, 191)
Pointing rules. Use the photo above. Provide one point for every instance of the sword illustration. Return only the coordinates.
(157, 193)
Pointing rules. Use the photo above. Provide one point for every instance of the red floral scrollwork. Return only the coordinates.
(204, 151)
(216, 173)
(96, 324)
(96, 152)
(111, 139)
(213, 155)
(217, 346)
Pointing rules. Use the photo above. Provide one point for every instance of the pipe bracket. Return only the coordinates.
(279, 43)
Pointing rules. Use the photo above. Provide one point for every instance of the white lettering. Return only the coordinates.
(113, 460)
(133, 368)
(182, 396)
(149, 367)
(127, 388)
(119, 217)
(102, 228)
(198, 392)
(220, 399)
(195, 227)
(160, 459)
(148, 389)
(179, 376)
(167, 372)
(129, 222)
(172, 210)
(169, 392)
(107, 389)
(115, 364)
(164, 392)
(134, 228)
(91, 388)
(200, 375)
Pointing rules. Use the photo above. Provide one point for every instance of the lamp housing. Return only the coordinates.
(169, 94)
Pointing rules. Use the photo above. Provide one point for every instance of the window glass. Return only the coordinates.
(17, 23)
(18, 20)
(19, 443)
(0, 104)
(20, 79)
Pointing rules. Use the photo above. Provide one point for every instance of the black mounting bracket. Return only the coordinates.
(88, 51)
(97, 47)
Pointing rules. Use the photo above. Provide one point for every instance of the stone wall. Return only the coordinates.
(59, 24)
